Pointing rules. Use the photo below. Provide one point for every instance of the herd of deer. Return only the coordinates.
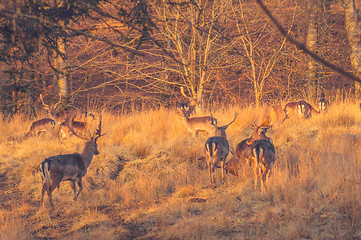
(69, 167)
(257, 151)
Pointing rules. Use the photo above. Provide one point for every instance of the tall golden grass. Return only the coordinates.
(148, 181)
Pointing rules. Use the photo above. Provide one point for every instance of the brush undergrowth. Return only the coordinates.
(148, 182)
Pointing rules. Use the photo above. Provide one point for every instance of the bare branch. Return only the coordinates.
(304, 48)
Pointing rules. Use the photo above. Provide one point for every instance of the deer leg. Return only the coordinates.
(222, 167)
(54, 184)
(42, 194)
(262, 176)
(72, 185)
(50, 191)
(210, 172)
(244, 172)
(80, 185)
(255, 176)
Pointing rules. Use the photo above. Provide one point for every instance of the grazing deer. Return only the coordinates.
(274, 116)
(198, 124)
(217, 149)
(69, 167)
(242, 157)
(40, 126)
(80, 127)
(263, 157)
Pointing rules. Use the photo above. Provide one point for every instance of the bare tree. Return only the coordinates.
(253, 40)
(353, 30)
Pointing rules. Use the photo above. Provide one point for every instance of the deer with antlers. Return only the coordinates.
(69, 167)
(217, 149)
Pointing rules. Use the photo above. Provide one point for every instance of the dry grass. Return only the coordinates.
(148, 183)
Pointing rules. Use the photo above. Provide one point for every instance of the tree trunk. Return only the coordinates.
(353, 30)
(311, 42)
(61, 68)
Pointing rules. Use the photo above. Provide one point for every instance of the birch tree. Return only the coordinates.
(353, 30)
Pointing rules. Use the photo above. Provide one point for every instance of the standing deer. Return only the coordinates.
(198, 124)
(192, 104)
(69, 167)
(323, 103)
(40, 126)
(243, 155)
(295, 109)
(302, 109)
(217, 149)
(263, 157)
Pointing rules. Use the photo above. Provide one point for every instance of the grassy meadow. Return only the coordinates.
(150, 182)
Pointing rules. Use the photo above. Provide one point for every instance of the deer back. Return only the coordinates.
(67, 167)
(217, 146)
(268, 156)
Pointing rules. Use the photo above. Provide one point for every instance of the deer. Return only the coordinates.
(295, 109)
(243, 155)
(40, 126)
(217, 149)
(301, 109)
(69, 167)
(323, 104)
(198, 124)
(192, 104)
(262, 159)
(309, 109)
(80, 127)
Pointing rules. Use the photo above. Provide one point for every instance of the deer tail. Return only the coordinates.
(211, 148)
(44, 169)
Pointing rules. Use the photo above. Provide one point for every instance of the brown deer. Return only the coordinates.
(243, 155)
(263, 157)
(198, 124)
(40, 126)
(80, 127)
(217, 149)
(69, 167)
(301, 109)
(323, 104)
(191, 105)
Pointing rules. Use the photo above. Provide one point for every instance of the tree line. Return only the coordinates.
(135, 53)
